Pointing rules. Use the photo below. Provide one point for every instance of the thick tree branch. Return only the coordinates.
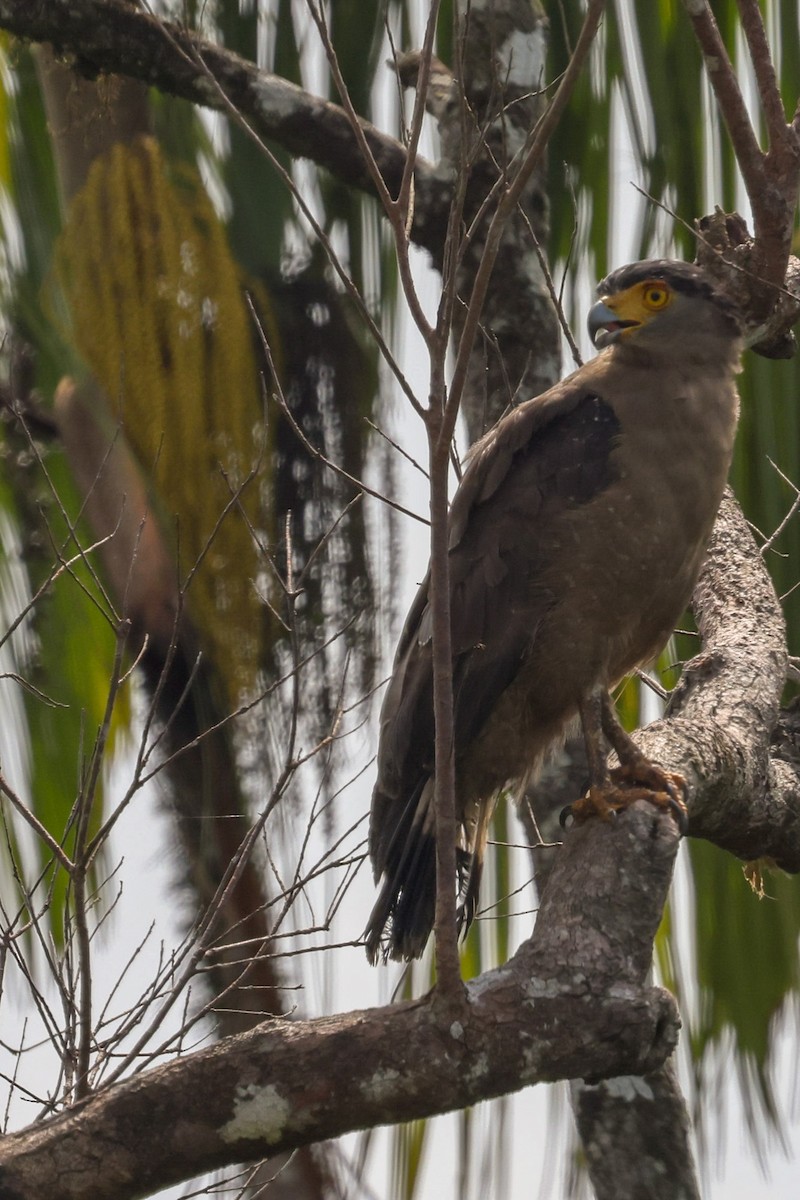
(635, 1134)
(111, 36)
(572, 1002)
(722, 713)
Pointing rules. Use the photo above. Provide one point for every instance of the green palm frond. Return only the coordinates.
(69, 651)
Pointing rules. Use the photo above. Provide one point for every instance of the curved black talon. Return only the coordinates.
(678, 810)
(566, 815)
(673, 792)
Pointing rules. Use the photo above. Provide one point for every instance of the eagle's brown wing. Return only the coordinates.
(550, 454)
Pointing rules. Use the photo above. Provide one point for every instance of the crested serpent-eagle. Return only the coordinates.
(576, 537)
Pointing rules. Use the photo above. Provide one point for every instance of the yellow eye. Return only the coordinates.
(655, 296)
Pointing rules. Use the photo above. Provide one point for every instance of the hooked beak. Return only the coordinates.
(605, 326)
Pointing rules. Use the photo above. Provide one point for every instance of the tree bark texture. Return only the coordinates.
(502, 67)
(635, 1133)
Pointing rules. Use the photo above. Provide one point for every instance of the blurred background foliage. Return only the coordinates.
(139, 241)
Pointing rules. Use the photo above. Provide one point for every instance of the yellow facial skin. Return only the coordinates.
(612, 317)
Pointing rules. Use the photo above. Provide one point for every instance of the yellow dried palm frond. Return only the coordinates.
(158, 311)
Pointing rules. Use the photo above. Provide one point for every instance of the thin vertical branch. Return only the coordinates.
(764, 69)
(397, 209)
(729, 96)
(448, 969)
(80, 872)
(771, 178)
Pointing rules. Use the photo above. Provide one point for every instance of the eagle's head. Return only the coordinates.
(661, 301)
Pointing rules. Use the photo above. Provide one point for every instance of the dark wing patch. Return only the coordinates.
(554, 456)
(497, 597)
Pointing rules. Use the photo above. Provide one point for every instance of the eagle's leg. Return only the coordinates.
(636, 778)
(665, 788)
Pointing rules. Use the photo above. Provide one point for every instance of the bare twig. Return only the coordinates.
(764, 69)
(55, 848)
(771, 178)
(441, 418)
(795, 505)
(729, 95)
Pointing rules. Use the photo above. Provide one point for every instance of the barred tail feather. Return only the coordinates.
(402, 919)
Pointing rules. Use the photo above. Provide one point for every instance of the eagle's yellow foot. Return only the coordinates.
(666, 789)
(642, 780)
